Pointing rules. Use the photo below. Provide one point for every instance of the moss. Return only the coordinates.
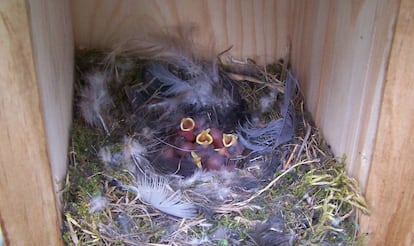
(258, 214)
(223, 242)
(309, 197)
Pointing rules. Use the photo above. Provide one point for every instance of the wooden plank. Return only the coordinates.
(28, 212)
(257, 29)
(340, 51)
(53, 52)
(390, 185)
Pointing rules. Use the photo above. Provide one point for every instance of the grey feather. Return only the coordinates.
(134, 151)
(175, 49)
(272, 232)
(95, 100)
(276, 132)
(198, 91)
(173, 46)
(98, 203)
(175, 85)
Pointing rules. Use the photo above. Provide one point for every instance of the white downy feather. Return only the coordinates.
(97, 204)
(135, 151)
(154, 191)
(95, 100)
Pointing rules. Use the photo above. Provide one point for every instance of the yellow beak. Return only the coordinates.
(204, 138)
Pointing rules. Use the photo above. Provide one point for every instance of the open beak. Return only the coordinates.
(204, 138)
(229, 140)
(187, 129)
(187, 124)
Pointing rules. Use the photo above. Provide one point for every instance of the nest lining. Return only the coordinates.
(276, 193)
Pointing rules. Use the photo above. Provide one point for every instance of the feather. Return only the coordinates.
(272, 232)
(269, 137)
(108, 157)
(133, 150)
(126, 222)
(216, 185)
(154, 191)
(276, 132)
(97, 204)
(219, 185)
(190, 74)
(175, 85)
(131, 157)
(174, 46)
(95, 100)
(200, 91)
(267, 101)
(132, 147)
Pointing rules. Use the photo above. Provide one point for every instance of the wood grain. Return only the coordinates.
(391, 180)
(28, 212)
(340, 51)
(256, 29)
(53, 52)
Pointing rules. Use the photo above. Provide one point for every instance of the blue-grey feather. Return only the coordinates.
(277, 131)
(175, 85)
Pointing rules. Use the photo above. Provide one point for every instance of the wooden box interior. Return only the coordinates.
(352, 58)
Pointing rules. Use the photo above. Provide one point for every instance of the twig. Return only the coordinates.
(257, 194)
(239, 77)
(305, 140)
(73, 236)
(286, 164)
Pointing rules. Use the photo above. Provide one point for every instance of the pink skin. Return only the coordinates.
(187, 135)
(215, 162)
(200, 125)
(183, 147)
(217, 137)
(204, 151)
(211, 159)
(168, 152)
(223, 151)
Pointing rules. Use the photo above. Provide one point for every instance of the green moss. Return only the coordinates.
(67, 238)
(254, 214)
(309, 197)
(223, 242)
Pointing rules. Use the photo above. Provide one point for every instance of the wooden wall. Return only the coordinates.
(340, 50)
(36, 73)
(250, 26)
(53, 53)
(390, 189)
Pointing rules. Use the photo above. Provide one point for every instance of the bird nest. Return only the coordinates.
(172, 147)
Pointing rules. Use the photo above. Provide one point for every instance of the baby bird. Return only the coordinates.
(190, 88)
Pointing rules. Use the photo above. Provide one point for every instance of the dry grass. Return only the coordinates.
(309, 192)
